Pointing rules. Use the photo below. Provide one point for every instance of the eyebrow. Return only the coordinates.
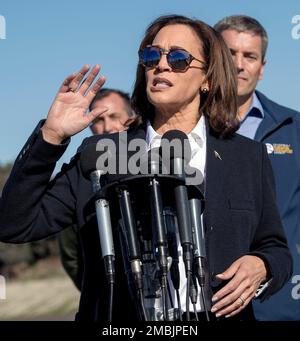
(245, 52)
(171, 47)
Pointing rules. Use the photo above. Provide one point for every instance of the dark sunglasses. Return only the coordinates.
(178, 59)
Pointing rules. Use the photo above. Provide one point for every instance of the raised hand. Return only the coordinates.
(67, 115)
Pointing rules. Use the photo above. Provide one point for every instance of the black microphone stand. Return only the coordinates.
(133, 245)
(132, 200)
(160, 240)
(153, 166)
(200, 267)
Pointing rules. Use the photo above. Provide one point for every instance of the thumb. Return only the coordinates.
(92, 115)
(129, 121)
(230, 272)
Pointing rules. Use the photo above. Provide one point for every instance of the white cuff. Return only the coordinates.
(262, 288)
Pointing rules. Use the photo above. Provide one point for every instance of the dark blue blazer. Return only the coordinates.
(240, 215)
(280, 131)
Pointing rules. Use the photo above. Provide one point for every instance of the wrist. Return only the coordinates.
(264, 269)
(51, 136)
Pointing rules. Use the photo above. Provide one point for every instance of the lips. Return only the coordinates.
(242, 78)
(161, 83)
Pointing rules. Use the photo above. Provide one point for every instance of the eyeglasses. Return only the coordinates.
(178, 59)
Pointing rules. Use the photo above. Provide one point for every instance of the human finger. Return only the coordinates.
(73, 86)
(95, 88)
(230, 298)
(93, 115)
(89, 80)
(65, 85)
(237, 306)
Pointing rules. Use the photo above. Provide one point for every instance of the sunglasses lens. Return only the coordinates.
(178, 59)
(150, 56)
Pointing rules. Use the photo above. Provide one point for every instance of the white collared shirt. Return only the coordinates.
(197, 139)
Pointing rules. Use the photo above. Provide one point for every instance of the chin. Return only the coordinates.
(244, 92)
(159, 97)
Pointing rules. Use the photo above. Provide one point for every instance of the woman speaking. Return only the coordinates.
(185, 81)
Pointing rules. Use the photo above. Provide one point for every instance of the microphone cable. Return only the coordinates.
(173, 249)
(110, 304)
(127, 267)
(170, 295)
(194, 295)
(187, 301)
(200, 274)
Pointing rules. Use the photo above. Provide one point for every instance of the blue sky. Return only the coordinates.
(48, 40)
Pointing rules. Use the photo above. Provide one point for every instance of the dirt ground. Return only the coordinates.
(42, 293)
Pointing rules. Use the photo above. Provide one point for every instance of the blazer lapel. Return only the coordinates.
(215, 172)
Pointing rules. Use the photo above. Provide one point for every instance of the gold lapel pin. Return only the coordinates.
(217, 155)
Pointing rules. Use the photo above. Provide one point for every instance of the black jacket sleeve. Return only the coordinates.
(32, 207)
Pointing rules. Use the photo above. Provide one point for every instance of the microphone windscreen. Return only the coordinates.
(175, 144)
(88, 158)
(111, 154)
(151, 162)
(122, 169)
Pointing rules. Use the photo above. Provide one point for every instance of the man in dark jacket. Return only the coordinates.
(279, 128)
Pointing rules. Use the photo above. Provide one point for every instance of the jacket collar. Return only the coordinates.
(275, 117)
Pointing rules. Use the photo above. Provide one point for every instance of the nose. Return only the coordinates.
(163, 63)
(239, 62)
(108, 127)
(112, 126)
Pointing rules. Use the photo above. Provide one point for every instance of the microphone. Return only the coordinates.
(160, 232)
(154, 165)
(196, 201)
(129, 228)
(199, 242)
(173, 249)
(134, 253)
(176, 152)
(88, 160)
(172, 246)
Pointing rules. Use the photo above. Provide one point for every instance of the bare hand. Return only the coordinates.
(246, 274)
(67, 115)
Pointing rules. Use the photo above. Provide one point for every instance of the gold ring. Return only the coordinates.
(243, 301)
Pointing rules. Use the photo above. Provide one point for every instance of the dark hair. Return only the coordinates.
(104, 92)
(243, 23)
(220, 102)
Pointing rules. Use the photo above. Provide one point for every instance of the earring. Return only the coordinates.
(204, 90)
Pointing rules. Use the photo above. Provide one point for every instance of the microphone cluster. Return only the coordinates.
(155, 206)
